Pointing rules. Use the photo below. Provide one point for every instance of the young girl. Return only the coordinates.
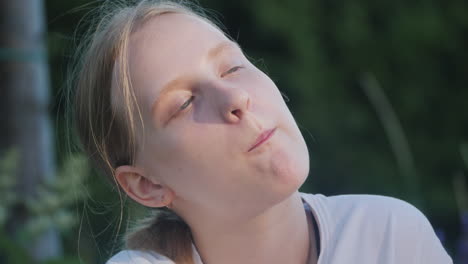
(170, 108)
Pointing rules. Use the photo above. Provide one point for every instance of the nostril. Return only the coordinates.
(237, 113)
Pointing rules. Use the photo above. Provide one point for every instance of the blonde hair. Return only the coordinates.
(106, 130)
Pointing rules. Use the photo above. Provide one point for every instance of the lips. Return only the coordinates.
(263, 137)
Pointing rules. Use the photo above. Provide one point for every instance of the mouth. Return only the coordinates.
(262, 138)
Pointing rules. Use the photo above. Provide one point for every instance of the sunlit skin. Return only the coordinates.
(204, 105)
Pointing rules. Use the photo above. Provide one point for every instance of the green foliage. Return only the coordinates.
(52, 206)
(13, 252)
(64, 260)
(8, 196)
(464, 153)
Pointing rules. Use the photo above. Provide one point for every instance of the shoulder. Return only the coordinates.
(376, 214)
(138, 257)
(374, 207)
(371, 223)
(365, 207)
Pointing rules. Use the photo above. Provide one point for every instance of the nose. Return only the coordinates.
(234, 103)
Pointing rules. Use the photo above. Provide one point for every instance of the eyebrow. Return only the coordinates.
(218, 49)
(176, 83)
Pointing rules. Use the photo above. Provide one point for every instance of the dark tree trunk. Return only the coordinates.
(24, 101)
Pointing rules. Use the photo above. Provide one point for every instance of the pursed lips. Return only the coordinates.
(264, 136)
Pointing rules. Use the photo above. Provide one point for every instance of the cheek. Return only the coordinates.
(291, 159)
(184, 151)
(180, 147)
(164, 153)
(270, 94)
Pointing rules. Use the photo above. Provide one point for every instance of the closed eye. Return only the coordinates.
(187, 103)
(233, 69)
(190, 100)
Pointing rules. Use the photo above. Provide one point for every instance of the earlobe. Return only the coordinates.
(144, 190)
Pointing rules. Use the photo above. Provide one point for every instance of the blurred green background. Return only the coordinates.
(378, 88)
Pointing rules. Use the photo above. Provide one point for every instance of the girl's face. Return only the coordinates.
(216, 129)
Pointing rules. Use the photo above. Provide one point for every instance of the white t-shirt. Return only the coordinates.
(364, 229)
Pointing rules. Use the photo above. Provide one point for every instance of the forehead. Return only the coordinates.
(167, 47)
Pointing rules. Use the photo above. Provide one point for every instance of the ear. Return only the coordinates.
(144, 190)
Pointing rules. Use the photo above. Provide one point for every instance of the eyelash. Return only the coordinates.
(189, 101)
(233, 69)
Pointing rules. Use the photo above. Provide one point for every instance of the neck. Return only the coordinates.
(278, 235)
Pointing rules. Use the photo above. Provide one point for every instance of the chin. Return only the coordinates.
(290, 170)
